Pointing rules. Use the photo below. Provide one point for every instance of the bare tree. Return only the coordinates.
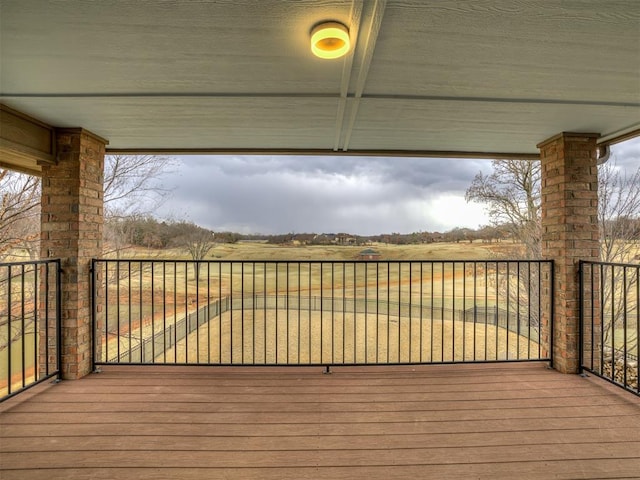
(618, 212)
(19, 213)
(512, 196)
(198, 242)
(133, 183)
(513, 199)
(132, 188)
(618, 216)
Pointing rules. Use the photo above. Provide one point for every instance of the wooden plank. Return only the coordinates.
(300, 418)
(142, 404)
(371, 388)
(171, 458)
(321, 398)
(155, 376)
(564, 470)
(502, 383)
(311, 380)
(326, 391)
(551, 425)
(613, 437)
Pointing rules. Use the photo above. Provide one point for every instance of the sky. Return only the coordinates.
(357, 195)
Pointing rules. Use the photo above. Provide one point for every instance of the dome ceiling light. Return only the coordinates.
(330, 40)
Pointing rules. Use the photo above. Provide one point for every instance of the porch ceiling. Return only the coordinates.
(465, 76)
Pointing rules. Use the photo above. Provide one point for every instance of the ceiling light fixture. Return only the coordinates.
(330, 40)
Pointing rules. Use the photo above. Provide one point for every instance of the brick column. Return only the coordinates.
(72, 219)
(569, 231)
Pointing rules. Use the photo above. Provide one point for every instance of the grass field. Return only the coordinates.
(284, 337)
(20, 363)
(260, 251)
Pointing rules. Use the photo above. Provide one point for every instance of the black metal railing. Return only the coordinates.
(320, 312)
(30, 332)
(610, 322)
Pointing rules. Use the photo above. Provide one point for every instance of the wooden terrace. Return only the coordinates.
(485, 421)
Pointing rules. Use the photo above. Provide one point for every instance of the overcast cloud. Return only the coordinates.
(358, 195)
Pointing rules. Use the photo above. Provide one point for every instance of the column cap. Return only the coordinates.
(81, 131)
(567, 135)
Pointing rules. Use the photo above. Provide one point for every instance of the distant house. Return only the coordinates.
(344, 239)
(369, 254)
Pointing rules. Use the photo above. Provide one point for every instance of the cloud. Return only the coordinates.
(359, 195)
(627, 154)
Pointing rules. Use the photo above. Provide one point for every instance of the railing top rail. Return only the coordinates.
(609, 264)
(326, 261)
(30, 262)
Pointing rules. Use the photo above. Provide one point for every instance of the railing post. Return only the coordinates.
(552, 312)
(94, 326)
(581, 325)
(59, 318)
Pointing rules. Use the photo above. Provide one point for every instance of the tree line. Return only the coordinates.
(154, 233)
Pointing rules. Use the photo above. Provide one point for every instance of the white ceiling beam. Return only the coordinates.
(355, 18)
(368, 45)
(620, 135)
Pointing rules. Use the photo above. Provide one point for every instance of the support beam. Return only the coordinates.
(569, 231)
(25, 143)
(72, 223)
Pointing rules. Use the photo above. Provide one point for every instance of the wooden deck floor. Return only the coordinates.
(516, 421)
